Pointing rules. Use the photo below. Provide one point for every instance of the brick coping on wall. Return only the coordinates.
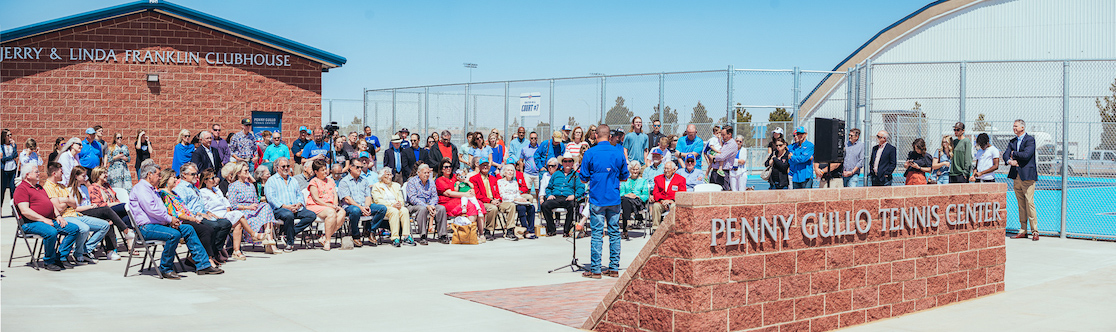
(672, 226)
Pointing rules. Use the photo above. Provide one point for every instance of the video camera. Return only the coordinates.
(331, 129)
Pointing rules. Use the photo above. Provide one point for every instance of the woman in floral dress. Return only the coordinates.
(118, 174)
(242, 195)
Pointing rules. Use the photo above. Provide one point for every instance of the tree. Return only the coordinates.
(618, 115)
(573, 123)
(743, 124)
(981, 125)
(669, 121)
(701, 120)
(357, 125)
(1108, 120)
(780, 118)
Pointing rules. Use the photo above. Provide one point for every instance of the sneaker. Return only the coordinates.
(531, 236)
(422, 241)
(445, 240)
(113, 256)
(66, 265)
(411, 241)
(510, 235)
(395, 243)
(54, 267)
(489, 237)
(288, 249)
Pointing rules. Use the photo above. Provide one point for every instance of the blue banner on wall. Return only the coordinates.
(270, 121)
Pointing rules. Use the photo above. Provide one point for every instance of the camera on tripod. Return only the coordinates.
(331, 129)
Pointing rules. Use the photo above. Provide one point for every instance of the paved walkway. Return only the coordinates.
(1052, 284)
(567, 304)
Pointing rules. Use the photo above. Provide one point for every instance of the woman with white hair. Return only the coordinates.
(513, 199)
(183, 150)
(69, 157)
(390, 194)
(738, 177)
(633, 195)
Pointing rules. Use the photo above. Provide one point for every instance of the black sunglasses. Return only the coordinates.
(957, 129)
(447, 166)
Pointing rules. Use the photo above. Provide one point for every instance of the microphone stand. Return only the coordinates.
(573, 265)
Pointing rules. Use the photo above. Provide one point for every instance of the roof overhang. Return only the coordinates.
(326, 59)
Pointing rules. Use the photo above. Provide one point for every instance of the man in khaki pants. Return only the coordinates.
(1020, 155)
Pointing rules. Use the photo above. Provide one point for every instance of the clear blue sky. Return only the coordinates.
(407, 43)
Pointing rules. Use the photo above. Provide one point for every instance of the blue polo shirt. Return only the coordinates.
(685, 145)
(604, 166)
(90, 155)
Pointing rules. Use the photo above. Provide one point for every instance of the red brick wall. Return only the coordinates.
(44, 99)
(679, 282)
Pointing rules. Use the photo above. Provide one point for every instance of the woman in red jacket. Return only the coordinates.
(662, 193)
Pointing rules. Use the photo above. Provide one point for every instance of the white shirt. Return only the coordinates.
(509, 190)
(10, 150)
(984, 160)
(68, 161)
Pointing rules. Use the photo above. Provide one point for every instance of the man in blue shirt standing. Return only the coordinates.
(635, 142)
(801, 160)
(316, 149)
(530, 169)
(516, 144)
(603, 167)
(690, 145)
(373, 143)
(91, 154)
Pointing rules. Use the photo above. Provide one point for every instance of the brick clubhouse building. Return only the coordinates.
(158, 67)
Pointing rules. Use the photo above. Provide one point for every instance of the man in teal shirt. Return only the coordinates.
(801, 160)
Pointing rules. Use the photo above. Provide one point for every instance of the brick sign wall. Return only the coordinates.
(43, 97)
(811, 260)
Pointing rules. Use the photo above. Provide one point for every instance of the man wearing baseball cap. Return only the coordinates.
(300, 143)
(961, 167)
(242, 146)
(403, 133)
(91, 154)
(801, 160)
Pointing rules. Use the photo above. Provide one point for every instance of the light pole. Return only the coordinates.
(471, 66)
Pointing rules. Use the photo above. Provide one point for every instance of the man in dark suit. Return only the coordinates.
(882, 162)
(400, 160)
(439, 150)
(1020, 155)
(206, 156)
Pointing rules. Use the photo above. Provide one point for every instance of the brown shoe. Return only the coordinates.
(1020, 235)
(611, 273)
(591, 275)
(1034, 236)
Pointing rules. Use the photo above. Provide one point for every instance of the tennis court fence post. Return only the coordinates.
(1065, 148)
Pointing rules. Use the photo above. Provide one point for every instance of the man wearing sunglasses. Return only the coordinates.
(655, 135)
(530, 168)
(962, 165)
(275, 149)
(220, 143)
(801, 160)
(516, 144)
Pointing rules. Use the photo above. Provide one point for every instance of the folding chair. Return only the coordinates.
(36, 250)
(150, 247)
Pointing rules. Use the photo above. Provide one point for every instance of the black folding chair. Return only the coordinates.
(150, 247)
(35, 250)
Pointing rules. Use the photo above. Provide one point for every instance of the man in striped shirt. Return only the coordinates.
(286, 198)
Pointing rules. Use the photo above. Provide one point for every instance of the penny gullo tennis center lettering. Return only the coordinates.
(839, 223)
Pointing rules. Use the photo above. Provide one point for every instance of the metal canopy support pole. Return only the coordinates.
(1065, 147)
(364, 106)
(961, 99)
(794, 106)
(393, 110)
(426, 110)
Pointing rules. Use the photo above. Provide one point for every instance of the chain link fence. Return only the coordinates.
(1061, 101)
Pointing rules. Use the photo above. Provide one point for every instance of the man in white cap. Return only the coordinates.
(566, 133)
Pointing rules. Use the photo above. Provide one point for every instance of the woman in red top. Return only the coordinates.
(449, 197)
(662, 193)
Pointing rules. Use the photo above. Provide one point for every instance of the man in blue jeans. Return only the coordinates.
(603, 166)
(42, 219)
(801, 160)
(285, 196)
(154, 223)
(356, 195)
